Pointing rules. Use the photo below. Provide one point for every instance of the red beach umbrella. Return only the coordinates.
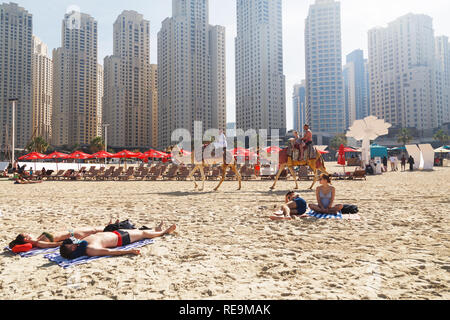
(273, 149)
(33, 156)
(125, 154)
(56, 155)
(79, 156)
(101, 155)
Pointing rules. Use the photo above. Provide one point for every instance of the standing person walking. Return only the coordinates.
(385, 163)
(403, 163)
(411, 163)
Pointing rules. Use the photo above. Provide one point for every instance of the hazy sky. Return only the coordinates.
(358, 16)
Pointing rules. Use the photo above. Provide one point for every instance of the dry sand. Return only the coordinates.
(227, 248)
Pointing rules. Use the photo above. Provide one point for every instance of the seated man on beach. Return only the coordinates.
(294, 207)
(55, 239)
(325, 197)
(104, 244)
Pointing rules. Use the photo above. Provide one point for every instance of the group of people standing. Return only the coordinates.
(394, 163)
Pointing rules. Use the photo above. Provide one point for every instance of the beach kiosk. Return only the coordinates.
(377, 151)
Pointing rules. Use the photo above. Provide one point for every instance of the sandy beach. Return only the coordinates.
(227, 248)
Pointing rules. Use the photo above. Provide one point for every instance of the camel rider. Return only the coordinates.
(307, 139)
(295, 147)
(221, 145)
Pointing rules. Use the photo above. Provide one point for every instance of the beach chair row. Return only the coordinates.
(154, 173)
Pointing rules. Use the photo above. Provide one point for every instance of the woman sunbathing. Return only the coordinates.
(294, 207)
(53, 240)
(325, 197)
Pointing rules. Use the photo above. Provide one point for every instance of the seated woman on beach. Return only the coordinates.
(294, 207)
(55, 239)
(325, 197)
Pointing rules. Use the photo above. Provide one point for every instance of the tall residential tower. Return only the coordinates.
(356, 89)
(16, 56)
(42, 90)
(76, 111)
(191, 71)
(260, 80)
(299, 105)
(406, 81)
(127, 82)
(324, 83)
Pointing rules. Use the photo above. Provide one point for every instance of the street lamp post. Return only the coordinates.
(106, 138)
(13, 137)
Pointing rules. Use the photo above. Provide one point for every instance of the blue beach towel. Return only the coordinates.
(33, 252)
(325, 216)
(64, 263)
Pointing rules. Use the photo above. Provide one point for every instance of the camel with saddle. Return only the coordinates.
(290, 159)
(206, 157)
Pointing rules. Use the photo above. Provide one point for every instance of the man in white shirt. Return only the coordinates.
(221, 145)
(393, 160)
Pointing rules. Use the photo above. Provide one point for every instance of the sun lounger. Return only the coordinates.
(55, 176)
(142, 174)
(155, 175)
(358, 175)
(127, 175)
(183, 174)
(171, 173)
(214, 174)
(116, 174)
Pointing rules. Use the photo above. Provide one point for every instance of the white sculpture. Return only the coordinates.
(366, 130)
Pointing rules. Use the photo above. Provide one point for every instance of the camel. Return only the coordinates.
(316, 165)
(200, 163)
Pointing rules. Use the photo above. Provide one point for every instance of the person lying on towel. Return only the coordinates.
(25, 242)
(325, 195)
(294, 207)
(104, 244)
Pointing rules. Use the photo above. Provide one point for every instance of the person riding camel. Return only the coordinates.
(308, 149)
(295, 147)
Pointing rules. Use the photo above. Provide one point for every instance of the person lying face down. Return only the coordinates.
(103, 244)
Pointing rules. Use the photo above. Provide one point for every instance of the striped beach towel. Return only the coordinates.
(64, 263)
(33, 252)
(325, 216)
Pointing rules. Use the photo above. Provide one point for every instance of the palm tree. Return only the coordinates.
(337, 141)
(97, 145)
(38, 144)
(404, 137)
(441, 137)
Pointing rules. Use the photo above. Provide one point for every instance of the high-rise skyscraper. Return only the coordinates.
(16, 55)
(406, 83)
(100, 89)
(191, 77)
(127, 95)
(325, 110)
(443, 56)
(75, 117)
(299, 105)
(154, 100)
(356, 90)
(260, 80)
(42, 90)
